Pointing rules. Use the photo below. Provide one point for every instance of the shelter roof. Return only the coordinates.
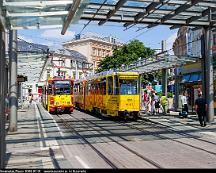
(27, 14)
(154, 64)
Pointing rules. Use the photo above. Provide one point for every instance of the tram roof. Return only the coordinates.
(28, 14)
(108, 73)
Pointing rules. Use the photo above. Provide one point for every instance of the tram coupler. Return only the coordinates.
(127, 114)
(60, 110)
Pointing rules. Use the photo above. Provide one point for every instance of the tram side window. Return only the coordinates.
(116, 87)
(110, 85)
(81, 89)
(49, 89)
(103, 86)
(75, 89)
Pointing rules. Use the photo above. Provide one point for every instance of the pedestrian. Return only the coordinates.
(157, 103)
(30, 98)
(155, 98)
(146, 100)
(164, 103)
(184, 103)
(201, 109)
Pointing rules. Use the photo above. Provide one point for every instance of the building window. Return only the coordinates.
(94, 52)
(73, 64)
(79, 65)
(214, 39)
(63, 63)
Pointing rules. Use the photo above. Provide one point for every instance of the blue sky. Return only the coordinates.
(150, 37)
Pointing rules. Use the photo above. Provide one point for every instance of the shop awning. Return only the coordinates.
(191, 78)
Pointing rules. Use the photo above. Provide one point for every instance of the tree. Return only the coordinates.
(125, 55)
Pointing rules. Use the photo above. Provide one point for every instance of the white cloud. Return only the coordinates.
(170, 41)
(56, 33)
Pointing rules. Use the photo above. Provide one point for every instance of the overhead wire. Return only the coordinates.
(85, 25)
(156, 22)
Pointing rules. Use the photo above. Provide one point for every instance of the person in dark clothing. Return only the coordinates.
(201, 109)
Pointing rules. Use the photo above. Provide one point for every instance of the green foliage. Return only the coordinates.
(125, 55)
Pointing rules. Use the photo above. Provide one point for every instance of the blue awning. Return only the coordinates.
(194, 77)
(191, 78)
(185, 78)
(200, 77)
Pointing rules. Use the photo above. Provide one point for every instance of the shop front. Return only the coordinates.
(191, 82)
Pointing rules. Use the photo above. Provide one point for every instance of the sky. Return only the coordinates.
(150, 37)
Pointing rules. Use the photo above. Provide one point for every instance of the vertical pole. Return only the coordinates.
(209, 72)
(164, 72)
(77, 73)
(176, 90)
(203, 49)
(140, 90)
(21, 94)
(13, 87)
(2, 99)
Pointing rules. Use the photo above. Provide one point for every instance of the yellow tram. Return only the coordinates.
(57, 95)
(109, 93)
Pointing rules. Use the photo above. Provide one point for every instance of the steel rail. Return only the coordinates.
(68, 126)
(122, 145)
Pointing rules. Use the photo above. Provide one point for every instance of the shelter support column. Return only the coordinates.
(3, 90)
(164, 72)
(208, 80)
(13, 78)
(176, 98)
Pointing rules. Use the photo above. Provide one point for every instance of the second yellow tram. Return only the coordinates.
(113, 94)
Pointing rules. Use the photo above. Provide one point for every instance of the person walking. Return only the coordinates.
(157, 103)
(30, 99)
(164, 103)
(201, 109)
(146, 100)
(184, 103)
(155, 98)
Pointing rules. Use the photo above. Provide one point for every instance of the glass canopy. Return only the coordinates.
(27, 14)
(157, 63)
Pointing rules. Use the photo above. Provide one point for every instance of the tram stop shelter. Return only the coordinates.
(30, 14)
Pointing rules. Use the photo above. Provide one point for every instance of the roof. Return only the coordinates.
(28, 14)
(94, 37)
(24, 46)
(31, 58)
(70, 54)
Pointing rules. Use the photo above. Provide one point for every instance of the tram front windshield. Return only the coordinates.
(128, 86)
(62, 87)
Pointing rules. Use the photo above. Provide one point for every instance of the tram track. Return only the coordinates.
(83, 120)
(122, 145)
(70, 127)
(140, 126)
(171, 130)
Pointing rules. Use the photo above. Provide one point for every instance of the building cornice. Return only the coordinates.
(80, 41)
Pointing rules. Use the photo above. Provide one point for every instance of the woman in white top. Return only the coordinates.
(184, 103)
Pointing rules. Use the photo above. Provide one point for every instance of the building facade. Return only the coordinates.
(93, 47)
(65, 63)
(189, 43)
